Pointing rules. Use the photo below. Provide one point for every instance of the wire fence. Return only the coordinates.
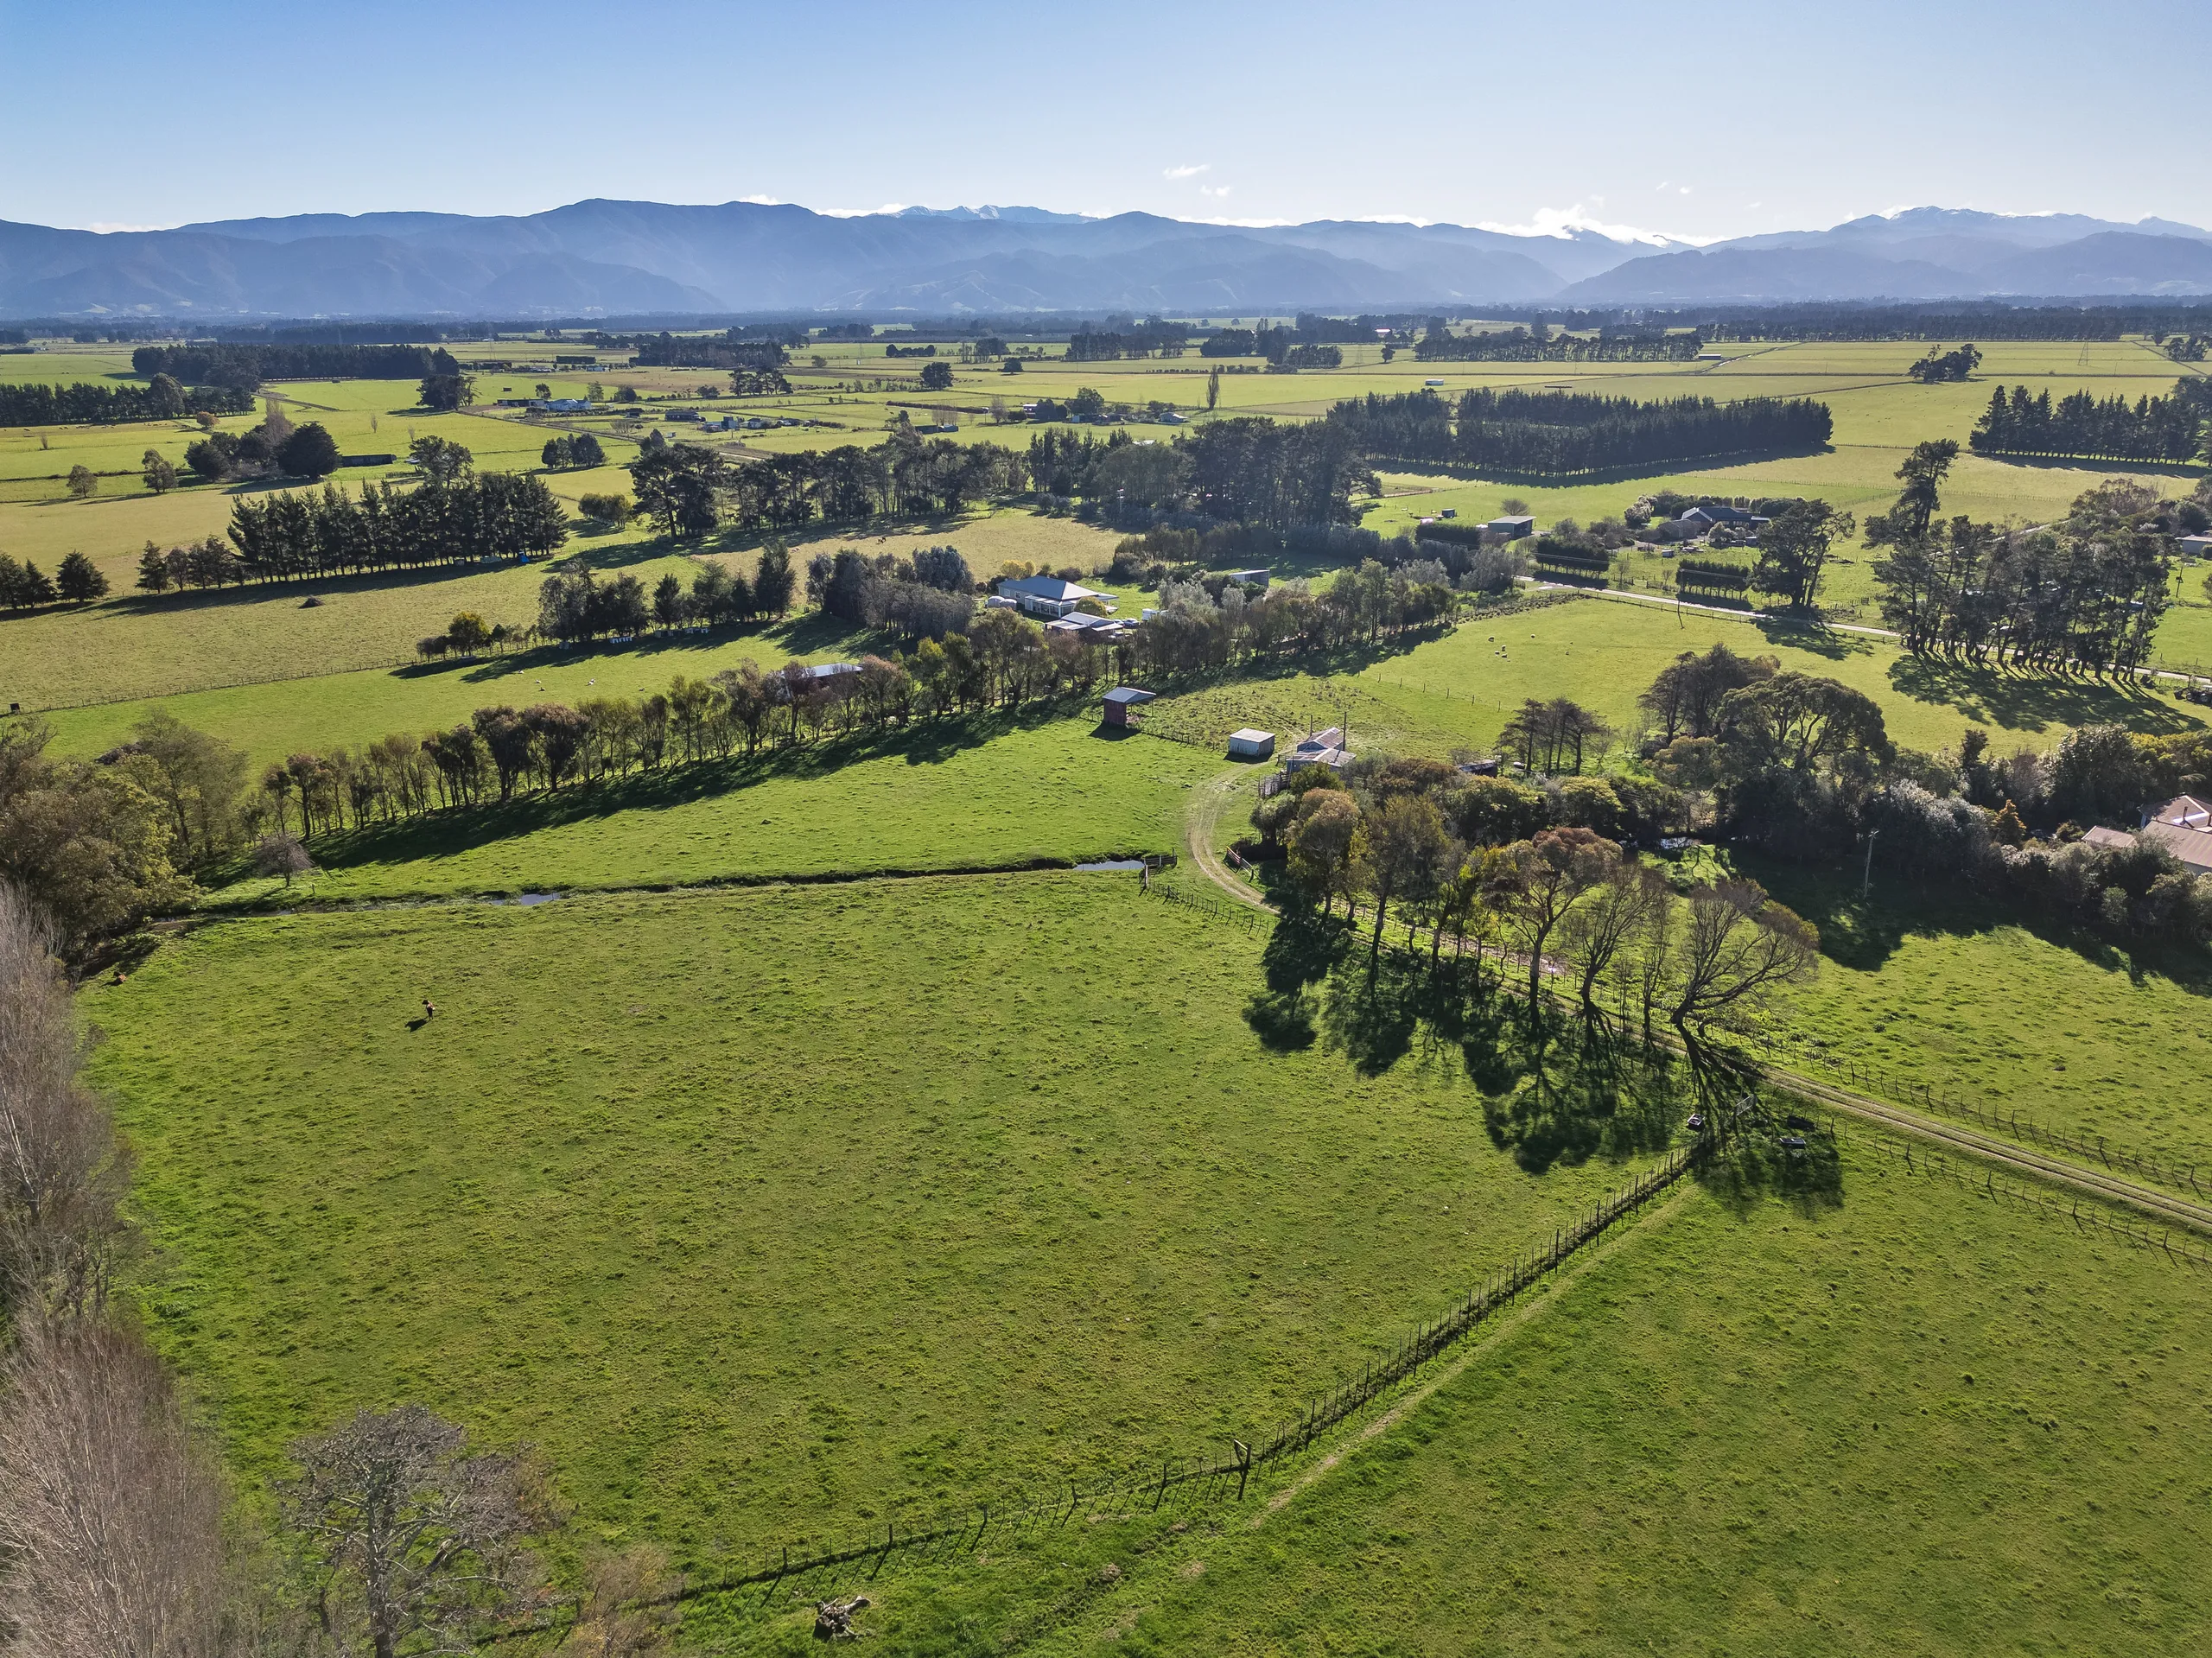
(1188, 1481)
(1872, 1079)
(2094, 1218)
(1244, 915)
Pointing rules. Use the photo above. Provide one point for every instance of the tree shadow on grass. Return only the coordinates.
(1555, 1093)
(2034, 702)
(1558, 1091)
(448, 833)
(1769, 1151)
(1800, 633)
(811, 634)
(1302, 950)
(1863, 931)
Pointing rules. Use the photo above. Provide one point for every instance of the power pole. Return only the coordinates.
(1866, 880)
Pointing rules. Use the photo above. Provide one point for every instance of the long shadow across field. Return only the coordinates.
(1553, 1090)
(1813, 637)
(800, 636)
(1863, 932)
(2034, 702)
(445, 833)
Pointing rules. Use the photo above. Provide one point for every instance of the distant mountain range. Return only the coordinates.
(641, 258)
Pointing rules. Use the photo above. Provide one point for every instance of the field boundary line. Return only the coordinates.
(1516, 1318)
(1902, 1119)
(2168, 1208)
(1145, 1488)
(2096, 1218)
(253, 910)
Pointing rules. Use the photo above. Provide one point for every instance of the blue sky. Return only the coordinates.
(1702, 120)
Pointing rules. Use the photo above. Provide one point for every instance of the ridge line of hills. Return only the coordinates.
(641, 257)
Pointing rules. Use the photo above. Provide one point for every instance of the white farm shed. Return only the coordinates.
(1250, 744)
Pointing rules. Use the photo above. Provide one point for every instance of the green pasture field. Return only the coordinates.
(103, 660)
(1457, 691)
(2009, 1012)
(64, 365)
(771, 1212)
(1454, 692)
(211, 654)
(974, 792)
(1878, 415)
(271, 718)
(1919, 1420)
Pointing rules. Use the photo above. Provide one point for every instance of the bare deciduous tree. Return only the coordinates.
(279, 853)
(624, 1608)
(418, 1542)
(61, 1173)
(1738, 947)
(1595, 931)
(111, 1519)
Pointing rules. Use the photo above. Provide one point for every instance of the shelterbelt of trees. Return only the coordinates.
(1247, 470)
(2085, 593)
(244, 367)
(1563, 433)
(688, 490)
(1611, 343)
(301, 533)
(1253, 471)
(102, 845)
(163, 398)
(2109, 428)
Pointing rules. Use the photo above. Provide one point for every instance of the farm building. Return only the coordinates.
(2195, 546)
(1512, 529)
(1249, 579)
(1711, 517)
(1047, 595)
(1092, 630)
(2183, 827)
(1121, 704)
(1322, 748)
(1250, 744)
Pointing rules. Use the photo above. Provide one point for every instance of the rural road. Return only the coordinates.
(1211, 798)
(1202, 819)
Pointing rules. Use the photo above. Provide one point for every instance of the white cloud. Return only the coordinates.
(760, 201)
(1186, 172)
(862, 212)
(1205, 190)
(1682, 190)
(110, 226)
(1564, 221)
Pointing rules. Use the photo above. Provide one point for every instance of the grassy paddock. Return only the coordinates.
(979, 792)
(769, 1210)
(1458, 690)
(1920, 1421)
(1969, 998)
(131, 647)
